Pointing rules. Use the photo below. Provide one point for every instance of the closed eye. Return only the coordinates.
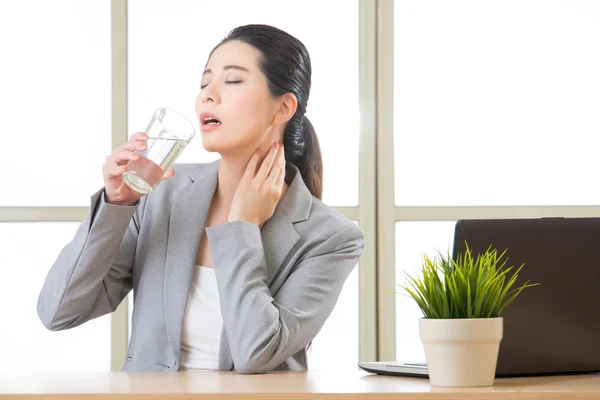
(234, 82)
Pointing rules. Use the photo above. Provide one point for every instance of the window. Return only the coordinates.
(493, 117)
(55, 77)
(27, 251)
(494, 102)
(55, 96)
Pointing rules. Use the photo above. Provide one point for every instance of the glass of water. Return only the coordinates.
(168, 132)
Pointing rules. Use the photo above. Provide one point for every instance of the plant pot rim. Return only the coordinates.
(460, 319)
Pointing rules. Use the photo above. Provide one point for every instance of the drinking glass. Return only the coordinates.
(169, 132)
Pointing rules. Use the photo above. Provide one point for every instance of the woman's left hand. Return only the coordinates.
(258, 192)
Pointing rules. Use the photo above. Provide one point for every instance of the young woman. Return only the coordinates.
(235, 264)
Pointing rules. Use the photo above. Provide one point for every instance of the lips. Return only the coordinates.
(208, 119)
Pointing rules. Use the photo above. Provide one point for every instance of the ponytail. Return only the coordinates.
(300, 137)
(310, 163)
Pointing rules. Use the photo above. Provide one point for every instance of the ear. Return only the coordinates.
(286, 108)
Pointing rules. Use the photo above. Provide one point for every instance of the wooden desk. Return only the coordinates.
(289, 385)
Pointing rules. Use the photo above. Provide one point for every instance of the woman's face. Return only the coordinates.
(235, 108)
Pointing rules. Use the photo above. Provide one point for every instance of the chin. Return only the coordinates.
(214, 144)
(210, 147)
(211, 142)
(233, 142)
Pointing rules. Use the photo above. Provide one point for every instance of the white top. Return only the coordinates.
(202, 323)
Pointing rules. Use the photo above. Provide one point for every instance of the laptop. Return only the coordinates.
(550, 329)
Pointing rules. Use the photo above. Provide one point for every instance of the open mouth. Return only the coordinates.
(209, 119)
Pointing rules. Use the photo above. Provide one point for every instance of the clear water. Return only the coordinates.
(146, 172)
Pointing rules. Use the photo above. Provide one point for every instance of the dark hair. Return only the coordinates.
(286, 64)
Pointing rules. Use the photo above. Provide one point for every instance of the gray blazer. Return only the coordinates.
(277, 285)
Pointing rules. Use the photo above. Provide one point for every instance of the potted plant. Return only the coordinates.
(462, 301)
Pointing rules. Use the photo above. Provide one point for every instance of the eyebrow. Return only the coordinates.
(238, 67)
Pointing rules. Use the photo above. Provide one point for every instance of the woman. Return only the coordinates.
(235, 264)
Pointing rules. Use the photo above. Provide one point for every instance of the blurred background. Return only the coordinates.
(428, 111)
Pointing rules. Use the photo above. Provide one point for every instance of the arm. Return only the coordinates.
(93, 273)
(264, 331)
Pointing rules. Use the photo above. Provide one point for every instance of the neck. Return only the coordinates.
(230, 173)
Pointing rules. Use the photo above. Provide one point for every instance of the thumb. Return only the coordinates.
(169, 174)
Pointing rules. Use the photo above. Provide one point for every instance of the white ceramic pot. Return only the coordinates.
(461, 352)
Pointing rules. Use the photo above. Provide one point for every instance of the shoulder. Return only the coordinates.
(184, 173)
(326, 227)
(321, 227)
(188, 168)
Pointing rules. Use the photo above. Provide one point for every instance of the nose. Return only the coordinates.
(210, 94)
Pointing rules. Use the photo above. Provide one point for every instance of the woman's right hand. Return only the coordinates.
(115, 190)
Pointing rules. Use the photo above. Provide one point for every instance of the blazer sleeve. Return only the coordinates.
(263, 330)
(93, 272)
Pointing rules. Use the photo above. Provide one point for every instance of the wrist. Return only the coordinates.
(233, 218)
(117, 202)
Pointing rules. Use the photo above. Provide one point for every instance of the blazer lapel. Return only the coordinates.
(278, 238)
(278, 234)
(189, 208)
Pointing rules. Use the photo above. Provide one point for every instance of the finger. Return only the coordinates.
(135, 142)
(139, 136)
(132, 146)
(113, 170)
(121, 157)
(267, 164)
(281, 178)
(251, 167)
(169, 174)
(276, 168)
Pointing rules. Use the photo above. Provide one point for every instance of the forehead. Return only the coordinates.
(234, 53)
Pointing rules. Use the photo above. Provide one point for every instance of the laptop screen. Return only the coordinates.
(554, 327)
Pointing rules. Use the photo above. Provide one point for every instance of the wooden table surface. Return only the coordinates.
(287, 385)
